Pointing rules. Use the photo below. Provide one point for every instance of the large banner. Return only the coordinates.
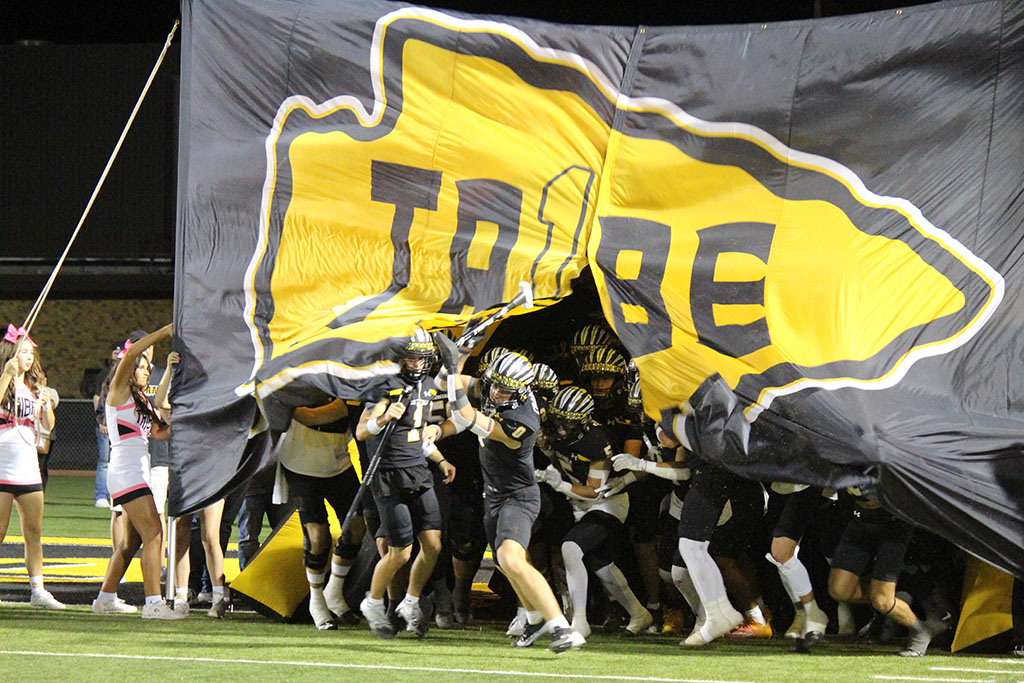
(828, 214)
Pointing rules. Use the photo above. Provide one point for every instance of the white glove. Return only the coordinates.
(550, 476)
(614, 486)
(625, 461)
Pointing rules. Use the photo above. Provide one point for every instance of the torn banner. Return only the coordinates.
(827, 213)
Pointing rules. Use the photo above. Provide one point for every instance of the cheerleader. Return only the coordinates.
(131, 420)
(25, 404)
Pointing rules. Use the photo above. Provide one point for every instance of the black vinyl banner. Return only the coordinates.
(824, 217)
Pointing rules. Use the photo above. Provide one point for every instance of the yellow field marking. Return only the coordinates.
(83, 570)
(61, 540)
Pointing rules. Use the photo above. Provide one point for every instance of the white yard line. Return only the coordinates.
(1007, 660)
(917, 678)
(976, 671)
(384, 667)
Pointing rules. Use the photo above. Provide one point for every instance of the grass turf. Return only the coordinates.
(80, 645)
(70, 510)
(200, 648)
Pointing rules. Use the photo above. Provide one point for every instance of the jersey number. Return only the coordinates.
(417, 421)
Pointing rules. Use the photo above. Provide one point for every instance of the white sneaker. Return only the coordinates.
(41, 599)
(816, 622)
(799, 625)
(217, 610)
(517, 625)
(638, 623)
(565, 639)
(102, 503)
(721, 619)
(161, 610)
(415, 620)
(377, 618)
(581, 626)
(204, 597)
(115, 606)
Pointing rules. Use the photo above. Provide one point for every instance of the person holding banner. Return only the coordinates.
(403, 486)
(25, 406)
(131, 420)
(507, 426)
(314, 458)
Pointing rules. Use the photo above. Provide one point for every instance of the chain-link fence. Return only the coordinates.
(74, 436)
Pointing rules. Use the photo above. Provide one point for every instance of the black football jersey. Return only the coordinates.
(404, 447)
(575, 460)
(506, 469)
(620, 421)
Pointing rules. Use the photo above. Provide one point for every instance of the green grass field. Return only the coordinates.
(77, 645)
(70, 510)
(81, 646)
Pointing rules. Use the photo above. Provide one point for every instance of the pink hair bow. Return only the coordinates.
(124, 348)
(15, 333)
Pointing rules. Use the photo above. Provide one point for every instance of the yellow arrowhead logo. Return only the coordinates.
(504, 160)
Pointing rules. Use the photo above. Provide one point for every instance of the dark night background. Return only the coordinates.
(71, 72)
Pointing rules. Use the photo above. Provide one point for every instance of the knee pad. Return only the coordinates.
(346, 551)
(316, 561)
(467, 552)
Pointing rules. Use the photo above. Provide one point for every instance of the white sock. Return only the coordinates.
(152, 600)
(707, 579)
(411, 600)
(616, 585)
(218, 593)
(36, 582)
(107, 597)
(374, 602)
(180, 593)
(576, 579)
(684, 584)
(533, 617)
(755, 615)
(653, 606)
(557, 622)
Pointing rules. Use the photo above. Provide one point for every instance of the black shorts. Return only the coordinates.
(668, 534)
(597, 534)
(466, 536)
(745, 525)
(309, 494)
(873, 540)
(21, 489)
(705, 500)
(555, 518)
(644, 504)
(510, 517)
(799, 510)
(406, 503)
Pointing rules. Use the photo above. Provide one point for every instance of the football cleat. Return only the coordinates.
(564, 639)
